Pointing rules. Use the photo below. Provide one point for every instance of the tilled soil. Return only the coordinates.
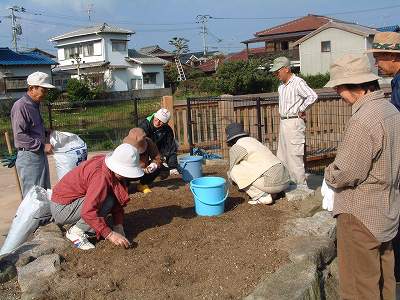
(176, 254)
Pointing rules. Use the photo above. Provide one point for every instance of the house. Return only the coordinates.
(279, 40)
(15, 68)
(157, 51)
(195, 59)
(391, 28)
(323, 46)
(100, 54)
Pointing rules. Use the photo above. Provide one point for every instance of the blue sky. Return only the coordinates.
(157, 21)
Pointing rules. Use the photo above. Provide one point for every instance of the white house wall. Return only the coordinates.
(121, 80)
(313, 61)
(115, 57)
(159, 77)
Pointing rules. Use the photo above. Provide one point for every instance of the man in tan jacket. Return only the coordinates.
(150, 159)
(253, 167)
(365, 175)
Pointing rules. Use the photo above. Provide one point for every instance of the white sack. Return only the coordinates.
(69, 151)
(33, 210)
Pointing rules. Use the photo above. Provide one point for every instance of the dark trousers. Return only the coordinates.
(163, 172)
(366, 266)
(396, 250)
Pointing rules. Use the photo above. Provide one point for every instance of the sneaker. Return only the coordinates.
(144, 188)
(264, 199)
(79, 238)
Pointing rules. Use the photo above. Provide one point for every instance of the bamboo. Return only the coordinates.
(14, 168)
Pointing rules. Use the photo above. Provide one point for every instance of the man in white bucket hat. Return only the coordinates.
(365, 176)
(89, 192)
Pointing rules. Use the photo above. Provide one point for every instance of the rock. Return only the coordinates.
(7, 271)
(309, 206)
(299, 194)
(295, 281)
(332, 281)
(321, 224)
(36, 292)
(41, 268)
(318, 250)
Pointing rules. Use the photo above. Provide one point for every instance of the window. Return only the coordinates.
(88, 50)
(326, 46)
(85, 49)
(285, 45)
(118, 45)
(149, 78)
(16, 83)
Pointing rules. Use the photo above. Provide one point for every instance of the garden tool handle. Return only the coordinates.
(14, 168)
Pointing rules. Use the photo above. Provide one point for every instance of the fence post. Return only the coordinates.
(226, 116)
(168, 103)
(189, 125)
(135, 112)
(50, 116)
(259, 123)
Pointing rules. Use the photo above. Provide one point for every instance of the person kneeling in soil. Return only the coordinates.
(253, 167)
(91, 191)
(157, 129)
(150, 159)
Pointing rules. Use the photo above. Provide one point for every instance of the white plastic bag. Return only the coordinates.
(69, 151)
(329, 196)
(34, 209)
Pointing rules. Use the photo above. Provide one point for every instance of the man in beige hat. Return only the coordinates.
(295, 96)
(365, 176)
(150, 158)
(30, 137)
(386, 51)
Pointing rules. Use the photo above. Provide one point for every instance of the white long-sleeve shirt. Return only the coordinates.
(295, 96)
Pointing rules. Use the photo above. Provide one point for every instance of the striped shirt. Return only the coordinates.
(295, 96)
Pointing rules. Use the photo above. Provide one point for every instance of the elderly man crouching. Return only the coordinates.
(365, 174)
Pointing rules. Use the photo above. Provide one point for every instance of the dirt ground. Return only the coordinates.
(176, 254)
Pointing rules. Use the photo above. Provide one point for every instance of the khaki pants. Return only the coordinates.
(291, 148)
(258, 188)
(366, 266)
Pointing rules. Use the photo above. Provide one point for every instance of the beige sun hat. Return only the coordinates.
(124, 160)
(350, 69)
(279, 63)
(386, 42)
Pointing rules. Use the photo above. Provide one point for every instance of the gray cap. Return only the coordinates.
(279, 63)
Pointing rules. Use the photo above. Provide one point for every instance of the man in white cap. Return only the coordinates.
(30, 137)
(295, 96)
(157, 129)
(91, 191)
(365, 176)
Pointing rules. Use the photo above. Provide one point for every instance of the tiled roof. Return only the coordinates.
(242, 55)
(349, 27)
(156, 51)
(103, 28)
(307, 23)
(210, 65)
(144, 58)
(9, 57)
(392, 28)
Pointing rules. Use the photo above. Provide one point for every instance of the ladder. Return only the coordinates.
(181, 73)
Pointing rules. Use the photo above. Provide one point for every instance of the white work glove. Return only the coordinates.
(173, 172)
(151, 168)
(120, 229)
(328, 193)
(118, 239)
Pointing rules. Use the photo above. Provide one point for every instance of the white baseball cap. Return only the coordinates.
(124, 161)
(39, 79)
(163, 115)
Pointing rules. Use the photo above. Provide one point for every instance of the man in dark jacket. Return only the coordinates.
(157, 129)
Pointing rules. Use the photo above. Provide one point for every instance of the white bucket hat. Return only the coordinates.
(163, 115)
(350, 69)
(39, 79)
(124, 161)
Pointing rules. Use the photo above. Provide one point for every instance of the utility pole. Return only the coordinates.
(90, 11)
(203, 20)
(15, 27)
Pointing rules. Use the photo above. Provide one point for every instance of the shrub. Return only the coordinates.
(317, 81)
(78, 90)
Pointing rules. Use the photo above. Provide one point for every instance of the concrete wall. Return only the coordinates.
(313, 61)
(159, 77)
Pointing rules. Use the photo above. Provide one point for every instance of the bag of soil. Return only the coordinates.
(33, 211)
(69, 151)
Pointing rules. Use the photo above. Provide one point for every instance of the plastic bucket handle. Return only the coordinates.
(218, 203)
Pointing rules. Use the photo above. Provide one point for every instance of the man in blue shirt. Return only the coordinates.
(386, 50)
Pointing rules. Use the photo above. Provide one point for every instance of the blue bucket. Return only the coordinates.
(191, 167)
(209, 195)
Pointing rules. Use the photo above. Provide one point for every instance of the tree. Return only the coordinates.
(78, 90)
(180, 44)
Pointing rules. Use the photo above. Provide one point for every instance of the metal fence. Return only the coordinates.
(102, 124)
(207, 118)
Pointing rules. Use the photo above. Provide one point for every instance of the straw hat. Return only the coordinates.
(234, 130)
(124, 161)
(350, 69)
(386, 42)
(136, 138)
